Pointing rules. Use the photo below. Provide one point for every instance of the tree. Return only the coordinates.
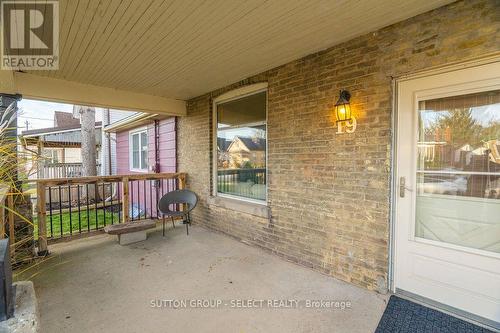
(458, 127)
(492, 131)
(87, 119)
(88, 150)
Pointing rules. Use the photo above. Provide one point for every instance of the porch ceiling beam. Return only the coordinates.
(57, 90)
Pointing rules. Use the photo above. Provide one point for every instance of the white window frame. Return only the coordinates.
(224, 98)
(138, 131)
(54, 156)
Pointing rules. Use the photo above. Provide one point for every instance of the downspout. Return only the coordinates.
(157, 160)
(393, 190)
(107, 119)
(176, 124)
(157, 146)
(108, 137)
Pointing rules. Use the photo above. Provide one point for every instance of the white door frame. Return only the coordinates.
(394, 188)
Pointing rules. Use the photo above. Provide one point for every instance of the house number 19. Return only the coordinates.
(348, 126)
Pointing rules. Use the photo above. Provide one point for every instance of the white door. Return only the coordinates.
(447, 218)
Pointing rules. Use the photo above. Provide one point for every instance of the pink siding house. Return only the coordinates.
(165, 160)
(145, 143)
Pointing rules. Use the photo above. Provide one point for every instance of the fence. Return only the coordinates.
(94, 202)
(61, 170)
(250, 183)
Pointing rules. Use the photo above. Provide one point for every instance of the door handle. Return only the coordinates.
(402, 187)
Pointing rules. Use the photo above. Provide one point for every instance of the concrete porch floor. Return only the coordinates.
(96, 285)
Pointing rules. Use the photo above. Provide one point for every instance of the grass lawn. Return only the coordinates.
(74, 224)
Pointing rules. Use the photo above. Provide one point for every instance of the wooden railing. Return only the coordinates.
(94, 202)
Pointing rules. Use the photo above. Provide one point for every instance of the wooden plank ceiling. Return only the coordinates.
(181, 49)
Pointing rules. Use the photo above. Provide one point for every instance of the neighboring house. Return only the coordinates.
(108, 147)
(60, 144)
(65, 119)
(241, 164)
(247, 152)
(144, 143)
(222, 154)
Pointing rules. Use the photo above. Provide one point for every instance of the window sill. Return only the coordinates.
(243, 206)
(139, 170)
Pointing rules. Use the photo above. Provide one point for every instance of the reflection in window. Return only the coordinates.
(241, 147)
(459, 145)
(458, 171)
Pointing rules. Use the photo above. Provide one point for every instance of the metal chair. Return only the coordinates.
(175, 198)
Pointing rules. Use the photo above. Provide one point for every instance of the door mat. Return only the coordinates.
(404, 316)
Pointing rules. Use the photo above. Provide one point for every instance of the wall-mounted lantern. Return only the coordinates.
(343, 107)
(345, 119)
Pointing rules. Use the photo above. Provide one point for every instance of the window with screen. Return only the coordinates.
(139, 150)
(241, 147)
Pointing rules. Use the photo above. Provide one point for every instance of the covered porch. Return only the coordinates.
(94, 285)
(296, 202)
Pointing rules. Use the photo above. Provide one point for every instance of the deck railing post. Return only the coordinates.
(182, 181)
(182, 186)
(10, 214)
(125, 204)
(41, 217)
(2, 219)
(4, 192)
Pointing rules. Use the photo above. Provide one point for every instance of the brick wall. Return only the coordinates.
(329, 194)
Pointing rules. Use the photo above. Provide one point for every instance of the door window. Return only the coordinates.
(458, 170)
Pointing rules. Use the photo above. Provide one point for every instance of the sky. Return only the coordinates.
(482, 114)
(242, 132)
(40, 114)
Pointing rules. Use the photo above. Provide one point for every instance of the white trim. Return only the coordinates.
(58, 90)
(224, 98)
(393, 188)
(491, 58)
(55, 131)
(464, 80)
(129, 121)
(241, 92)
(244, 199)
(457, 172)
(138, 131)
(440, 69)
(455, 247)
